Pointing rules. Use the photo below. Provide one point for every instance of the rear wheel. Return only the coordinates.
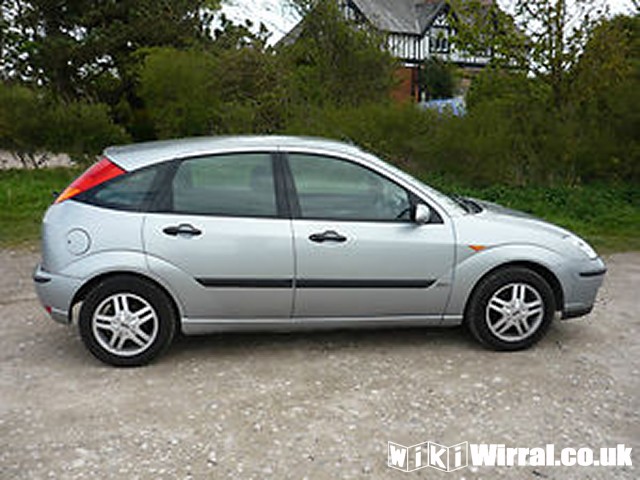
(126, 321)
(510, 309)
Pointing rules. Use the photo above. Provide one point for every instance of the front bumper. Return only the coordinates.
(581, 289)
(56, 293)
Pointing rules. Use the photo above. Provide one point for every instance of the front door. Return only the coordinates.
(358, 253)
(221, 240)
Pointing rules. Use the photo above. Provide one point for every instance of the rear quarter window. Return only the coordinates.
(133, 191)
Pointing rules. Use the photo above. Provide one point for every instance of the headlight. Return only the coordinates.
(583, 246)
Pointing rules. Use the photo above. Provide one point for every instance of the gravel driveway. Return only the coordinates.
(312, 406)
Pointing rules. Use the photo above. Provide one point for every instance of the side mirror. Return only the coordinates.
(422, 214)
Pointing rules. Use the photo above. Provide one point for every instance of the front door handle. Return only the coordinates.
(328, 236)
(184, 229)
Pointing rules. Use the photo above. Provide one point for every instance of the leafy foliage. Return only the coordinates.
(483, 28)
(240, 85)
(33, 124)
(558, 106)
(334, 63)
(88, 50)
(393, 131)
(178, 88)
(194, 92)
(70, 46)
(438, 78)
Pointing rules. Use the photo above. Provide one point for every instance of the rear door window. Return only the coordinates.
(239, 185)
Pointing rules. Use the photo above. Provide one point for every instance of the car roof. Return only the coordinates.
(135, 156)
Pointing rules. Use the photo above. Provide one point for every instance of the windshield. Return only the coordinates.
(455, 202)
(445, 200)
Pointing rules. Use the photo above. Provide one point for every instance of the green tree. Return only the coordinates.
(336, 63)
(509, 131)
(179, 90)
(606, 98)
(544, 37)
(33, 125)
(20, 124)
(80, 129)
(485, 29)
(558, 31)
(68, 45)
(87, 49)
(235, 86)
(438, 78)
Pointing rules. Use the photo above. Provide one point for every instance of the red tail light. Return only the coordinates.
(99, 173)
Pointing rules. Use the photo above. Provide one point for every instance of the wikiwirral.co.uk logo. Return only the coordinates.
(428, 454)
(448, 459)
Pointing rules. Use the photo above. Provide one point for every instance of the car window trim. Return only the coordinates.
(163, 179)
(283, 197)
(290, 190)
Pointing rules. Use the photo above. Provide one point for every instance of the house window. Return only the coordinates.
(439, 41)
(351, 12)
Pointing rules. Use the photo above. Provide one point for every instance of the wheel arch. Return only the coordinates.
(89, 285)
(548, 276)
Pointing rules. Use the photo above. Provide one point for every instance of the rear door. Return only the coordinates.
(358, 253)
(222, 240)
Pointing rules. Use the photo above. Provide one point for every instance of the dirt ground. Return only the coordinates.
(316, 406)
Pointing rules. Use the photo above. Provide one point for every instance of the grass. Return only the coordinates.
(24, 197)
(607, 216)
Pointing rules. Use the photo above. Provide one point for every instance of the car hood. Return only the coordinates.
(516, 218)
(499, 209)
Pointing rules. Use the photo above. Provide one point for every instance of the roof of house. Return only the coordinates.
(410, 17)
(401, 16)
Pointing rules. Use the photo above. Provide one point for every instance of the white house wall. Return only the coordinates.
(415, 49)
(412, 48)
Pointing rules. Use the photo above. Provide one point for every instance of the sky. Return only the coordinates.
(615, 6)
(280, 18)
(620, 6)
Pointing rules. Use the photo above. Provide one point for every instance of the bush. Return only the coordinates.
(399, 133)
(180, 92)
(335, 63)
(32, 125)
(193, 92)
(81, 130)
(21, 125)
(438, 79)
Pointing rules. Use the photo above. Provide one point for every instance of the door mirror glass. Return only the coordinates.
(422, 214)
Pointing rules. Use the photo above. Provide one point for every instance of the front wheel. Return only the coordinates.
(510, 309)
(126, 321)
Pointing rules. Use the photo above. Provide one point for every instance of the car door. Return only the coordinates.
(221, 240)
(358, 253)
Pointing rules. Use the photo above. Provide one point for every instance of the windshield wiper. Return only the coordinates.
(469, 205)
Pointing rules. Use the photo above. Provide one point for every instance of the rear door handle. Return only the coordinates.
(184, 229)
(328, 236)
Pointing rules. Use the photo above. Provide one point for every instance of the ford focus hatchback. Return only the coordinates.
(276, 233)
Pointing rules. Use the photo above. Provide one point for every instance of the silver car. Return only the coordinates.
(276, 233)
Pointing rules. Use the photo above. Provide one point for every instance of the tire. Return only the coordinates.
(510, 309)
(126, 321)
